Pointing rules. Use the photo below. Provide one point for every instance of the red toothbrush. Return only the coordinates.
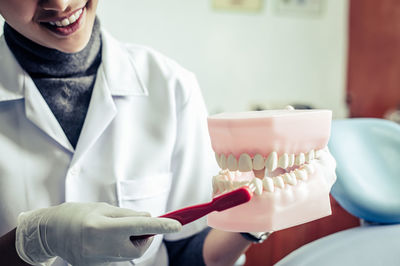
(220, 203)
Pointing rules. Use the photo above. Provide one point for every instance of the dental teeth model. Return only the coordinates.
(278, 154)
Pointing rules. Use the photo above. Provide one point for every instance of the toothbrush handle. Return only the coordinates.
(220, 203)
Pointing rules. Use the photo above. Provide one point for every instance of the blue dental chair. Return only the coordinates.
(367, 152)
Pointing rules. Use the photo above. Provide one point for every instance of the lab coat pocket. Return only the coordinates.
(145, 193)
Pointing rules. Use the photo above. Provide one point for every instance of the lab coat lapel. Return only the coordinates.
(15, 84)
(101, 112)
(117, 76)
(39, 113)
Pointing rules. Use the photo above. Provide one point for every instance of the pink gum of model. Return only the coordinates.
(282, 131)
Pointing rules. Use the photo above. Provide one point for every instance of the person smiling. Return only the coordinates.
(94, 132)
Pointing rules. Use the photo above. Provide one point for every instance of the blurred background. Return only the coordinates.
(246, 54)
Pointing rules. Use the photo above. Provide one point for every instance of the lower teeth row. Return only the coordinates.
(224, 181)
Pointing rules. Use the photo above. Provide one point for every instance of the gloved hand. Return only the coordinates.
(86, 233)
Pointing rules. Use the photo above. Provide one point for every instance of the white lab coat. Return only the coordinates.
(144, 144)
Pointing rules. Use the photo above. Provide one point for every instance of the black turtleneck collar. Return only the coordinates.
(65, 80)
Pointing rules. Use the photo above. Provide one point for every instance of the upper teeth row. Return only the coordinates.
(67, 21)
(258, 162)
(225, 182)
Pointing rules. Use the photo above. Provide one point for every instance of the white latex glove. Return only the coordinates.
(86, 233)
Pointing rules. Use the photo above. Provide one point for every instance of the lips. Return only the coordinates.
(67, 25)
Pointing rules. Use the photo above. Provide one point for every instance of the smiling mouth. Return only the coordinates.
(66, 26)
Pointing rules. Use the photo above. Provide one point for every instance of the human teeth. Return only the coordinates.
(300, 159)
(258, 162)
(291, 159)
(258, 184)
(52, 23)
(278, 181)
(72, 19)
(268, 184)
(65, 22)
(309, 168)
(301, 174)
(232, 163)
(272, 161)
(310, 156)
(283, 161)
(245, 164)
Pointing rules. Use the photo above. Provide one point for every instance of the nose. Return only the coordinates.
(56, 5)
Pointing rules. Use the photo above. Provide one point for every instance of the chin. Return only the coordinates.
(282, 155)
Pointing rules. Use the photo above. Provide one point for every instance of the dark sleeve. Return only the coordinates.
(188, 251)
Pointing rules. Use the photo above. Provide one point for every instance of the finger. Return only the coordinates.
(116, 212)
(143, 225)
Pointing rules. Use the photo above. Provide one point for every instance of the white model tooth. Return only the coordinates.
(300, 159)
(293, 179)
(309, 168)
(244, 183)
(289, 107)
(65, 22)
(224, 172)
(58, 23)
(291, 160)
(214, 184)
(219, 183)
(310, 156)
(258, 162)
(217, 159)
(222, 161)
(232, 163)
(278, 181)
(268, 184)
(228, 185)
(272, 161)
(301, 174)
(258, 184)
(318, 154)
(283, 161)
(288, 179)
(245, 163)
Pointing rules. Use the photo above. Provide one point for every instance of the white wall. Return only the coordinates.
(243, 59)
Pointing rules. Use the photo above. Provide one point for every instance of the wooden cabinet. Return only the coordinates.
(373, 82)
